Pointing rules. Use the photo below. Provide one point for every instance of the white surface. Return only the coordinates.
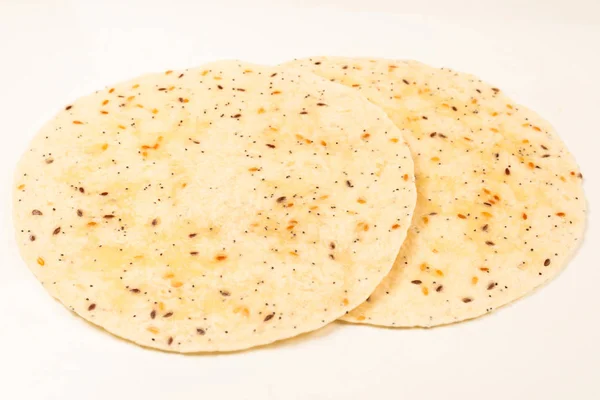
(544, 54)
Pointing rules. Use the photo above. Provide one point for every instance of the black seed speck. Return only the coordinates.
(269, 317)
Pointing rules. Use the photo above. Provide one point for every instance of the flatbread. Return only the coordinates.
(217, 208)
(500, 202)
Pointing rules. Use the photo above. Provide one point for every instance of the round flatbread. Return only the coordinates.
(214, 209)
(500, 202)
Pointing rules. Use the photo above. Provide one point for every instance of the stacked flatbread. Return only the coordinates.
(232, 205)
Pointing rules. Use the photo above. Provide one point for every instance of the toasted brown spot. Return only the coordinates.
(36, 212)
(134, 290)
(221, 257)
(461, 216)
(467, 300)
(41, 261)
(91, 307)
(272, 146)
(395, 226)
(192, 235)
(489, 243)
(56, 231)
(507, 171)
(170, 341)
(281, 199)
(153, 314)
(491, 286)
(224, 293)
(439, 288)
(104, 194)
(155, 221)
(32, 238)
(560, 214)
(485, 228)
(524, 216)
(546, 262)
(349, 184)
(49, 160)
(416, 282)
(77, 122)
(168, 315)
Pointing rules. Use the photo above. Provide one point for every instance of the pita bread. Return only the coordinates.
(500, 202)
(214, 209)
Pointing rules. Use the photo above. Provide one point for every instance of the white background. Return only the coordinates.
(544, 53)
